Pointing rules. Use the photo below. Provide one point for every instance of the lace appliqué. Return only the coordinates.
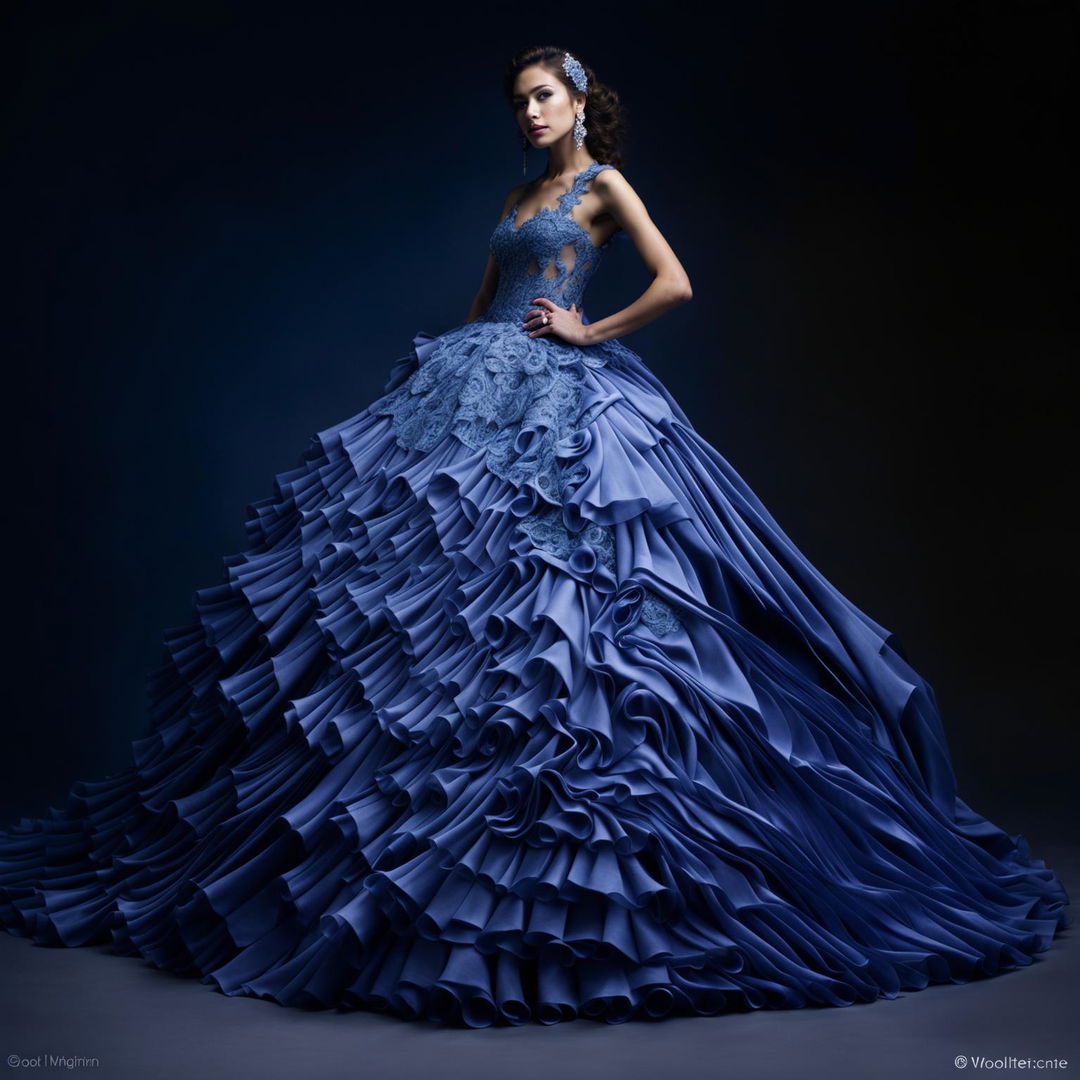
(546, 530)
(517, 397)
(525, 401)
(548, 254)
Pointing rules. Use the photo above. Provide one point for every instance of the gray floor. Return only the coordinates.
(139, 1022)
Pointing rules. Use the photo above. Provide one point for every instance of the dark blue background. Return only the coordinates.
(224, 223)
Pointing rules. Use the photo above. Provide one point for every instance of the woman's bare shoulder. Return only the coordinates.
(512, 196)
(610, 179)
(510, 199)
(615, 191)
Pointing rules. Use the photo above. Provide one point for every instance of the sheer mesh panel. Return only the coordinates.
(550, 253)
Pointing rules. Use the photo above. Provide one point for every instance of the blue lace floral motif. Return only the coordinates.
(519, 398)
(501, 391)
(525, 250)
(546, 530)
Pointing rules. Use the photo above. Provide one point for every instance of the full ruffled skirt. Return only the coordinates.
(525, 710)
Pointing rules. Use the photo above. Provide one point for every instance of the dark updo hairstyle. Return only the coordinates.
(604, 122)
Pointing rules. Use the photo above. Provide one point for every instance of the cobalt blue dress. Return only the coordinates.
(520, 706)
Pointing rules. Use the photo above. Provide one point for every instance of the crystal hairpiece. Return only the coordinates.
(575, 71)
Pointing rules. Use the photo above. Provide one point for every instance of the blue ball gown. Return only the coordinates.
(521, 707)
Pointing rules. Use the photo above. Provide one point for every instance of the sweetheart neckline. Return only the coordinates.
(509, 219)
(559, 209)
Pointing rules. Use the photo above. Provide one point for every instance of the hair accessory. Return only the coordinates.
(576, 72)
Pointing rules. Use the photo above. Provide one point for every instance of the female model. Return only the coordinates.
(521, 706)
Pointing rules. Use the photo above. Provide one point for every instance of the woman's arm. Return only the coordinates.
(670, 285)
(490, 283)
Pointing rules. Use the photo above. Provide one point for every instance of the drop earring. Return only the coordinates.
(579, 128)
(524, 153)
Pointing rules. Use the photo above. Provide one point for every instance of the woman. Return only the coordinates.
(520, 705)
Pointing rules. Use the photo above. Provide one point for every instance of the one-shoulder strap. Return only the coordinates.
(580, 180)
(566, 201)
(586, 175)
(572, 197)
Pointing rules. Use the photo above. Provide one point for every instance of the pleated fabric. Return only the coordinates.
(413, 755)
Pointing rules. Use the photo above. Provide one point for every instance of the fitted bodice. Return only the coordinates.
(528, 402)
(549, 254)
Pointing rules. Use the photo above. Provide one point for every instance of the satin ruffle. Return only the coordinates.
(406, 756)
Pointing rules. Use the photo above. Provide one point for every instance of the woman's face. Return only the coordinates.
(544, 107)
